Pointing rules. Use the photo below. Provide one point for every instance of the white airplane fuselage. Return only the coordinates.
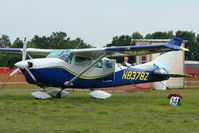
(55, 72)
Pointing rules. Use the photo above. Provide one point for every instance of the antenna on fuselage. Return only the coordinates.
(77, 45)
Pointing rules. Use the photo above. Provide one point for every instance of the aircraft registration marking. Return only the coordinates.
(135, 75)
(141, 52)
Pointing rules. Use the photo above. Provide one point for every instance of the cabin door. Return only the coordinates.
(109, 69)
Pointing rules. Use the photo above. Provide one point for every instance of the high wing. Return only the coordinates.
(33, 51)
(173, 45)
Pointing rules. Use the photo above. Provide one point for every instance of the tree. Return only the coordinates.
(5, 41)
(57, 40)
(148, 36)
(137, 35)
(160, 35)
(123, 40)
(196, 53)
(40, 42)
(191, 44)
(17, 43)
(7, 59)
(197, 38)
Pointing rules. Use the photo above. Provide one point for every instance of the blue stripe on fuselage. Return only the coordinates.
(57, 76)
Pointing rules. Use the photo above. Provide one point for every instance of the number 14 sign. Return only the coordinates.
(174, 101)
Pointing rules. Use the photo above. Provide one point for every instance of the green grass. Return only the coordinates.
(78, 113)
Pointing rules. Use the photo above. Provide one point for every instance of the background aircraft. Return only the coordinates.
(91, 68)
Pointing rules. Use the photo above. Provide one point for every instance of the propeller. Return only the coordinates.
(31, 75)
(21, 65)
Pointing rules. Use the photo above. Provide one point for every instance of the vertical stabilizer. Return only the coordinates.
(164, 60)
(176, 41)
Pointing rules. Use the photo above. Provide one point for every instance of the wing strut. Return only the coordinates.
(68, 83)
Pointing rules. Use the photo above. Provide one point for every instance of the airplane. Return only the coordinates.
(92, 68)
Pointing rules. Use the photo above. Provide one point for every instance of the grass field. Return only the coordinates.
(147, 112)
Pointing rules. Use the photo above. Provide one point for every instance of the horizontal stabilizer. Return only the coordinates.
(184, 49)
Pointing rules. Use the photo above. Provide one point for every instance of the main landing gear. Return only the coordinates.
(98, 94)
(57, 93)
(60, 93)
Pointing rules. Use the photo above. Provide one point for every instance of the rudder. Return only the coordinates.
(176, 41)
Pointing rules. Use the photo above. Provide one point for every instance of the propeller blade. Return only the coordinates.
(24, 51)
(13, 73)
(31, 75)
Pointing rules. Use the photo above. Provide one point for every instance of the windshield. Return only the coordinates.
(65, 55)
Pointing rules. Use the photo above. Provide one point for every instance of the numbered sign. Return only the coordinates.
(174, 101)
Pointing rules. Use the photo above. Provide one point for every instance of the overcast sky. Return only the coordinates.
(96, 21)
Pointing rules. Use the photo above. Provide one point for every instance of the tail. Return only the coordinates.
(176, 41)
(162, 64)
(164, 60)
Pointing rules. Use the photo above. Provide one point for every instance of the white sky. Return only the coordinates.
(96, 21)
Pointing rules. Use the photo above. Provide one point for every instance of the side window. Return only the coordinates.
(109, 64)
(99, 64)
(82, 61)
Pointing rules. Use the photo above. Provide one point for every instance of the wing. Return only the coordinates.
(173, 45)
(33, 51)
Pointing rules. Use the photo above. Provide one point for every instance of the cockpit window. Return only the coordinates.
(99, 64)
(65, 55)
(82, 61)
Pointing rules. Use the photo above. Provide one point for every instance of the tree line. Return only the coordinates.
(57, 40)
(60, 40)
